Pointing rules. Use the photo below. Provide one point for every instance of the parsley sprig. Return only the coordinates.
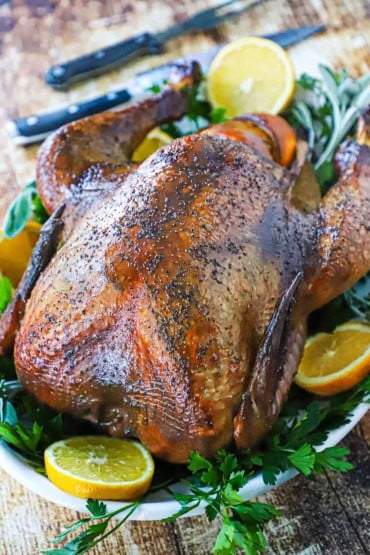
(200, 113)
(27, 426)
(217, 483)
(293, 443)
(96, 532)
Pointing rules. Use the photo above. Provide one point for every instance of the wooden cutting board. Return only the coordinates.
(330, 515)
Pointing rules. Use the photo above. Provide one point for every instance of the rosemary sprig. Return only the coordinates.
(328, 109)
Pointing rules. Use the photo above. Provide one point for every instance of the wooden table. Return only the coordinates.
(330, 515)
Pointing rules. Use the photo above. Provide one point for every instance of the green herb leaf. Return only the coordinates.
(18, 214)
(6, 292)
(26, 204)
(155, 89)
(197, 462)
(332, 458)
(230, 496)
(303, 459)
(327, 109)
(257, 511)
(39, 213)
(96, 508)
(358, 298)
(218, 115)
(225, 541)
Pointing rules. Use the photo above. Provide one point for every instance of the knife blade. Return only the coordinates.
(34, 128)
(61, 76)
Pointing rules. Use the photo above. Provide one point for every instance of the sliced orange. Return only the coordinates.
(334, 362)
(152, 142)
(16, 252)
(251, 74)
(100, 467)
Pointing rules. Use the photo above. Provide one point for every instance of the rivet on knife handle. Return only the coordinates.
(63, 75)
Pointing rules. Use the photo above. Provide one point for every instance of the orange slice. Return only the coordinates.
(334, 362)
(251, 74)
(100, 467)
(16, 252)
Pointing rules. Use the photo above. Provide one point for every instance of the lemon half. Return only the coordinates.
(154, 140)
(251, 74)
(100, 467)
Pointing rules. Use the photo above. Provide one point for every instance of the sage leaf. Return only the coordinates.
(18, 214)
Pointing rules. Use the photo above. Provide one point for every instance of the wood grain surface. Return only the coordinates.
(329, 515)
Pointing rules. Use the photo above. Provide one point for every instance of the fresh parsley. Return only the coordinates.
(304, 424)
(96, 531)
(25, 205)
(25, 425)
(6, 292)
(200, 113)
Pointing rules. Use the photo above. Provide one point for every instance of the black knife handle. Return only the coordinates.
(61, 76)
(37, 126)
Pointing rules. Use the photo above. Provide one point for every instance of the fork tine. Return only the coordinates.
(211, 12)
(242, 9)
(211, 17)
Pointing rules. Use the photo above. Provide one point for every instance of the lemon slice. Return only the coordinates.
(334, 362)
(100, 467)
(152, 142)
(16, 252)
(251, 75)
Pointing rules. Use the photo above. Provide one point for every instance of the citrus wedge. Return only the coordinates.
(334, 362)
(16, 252)
(100, 467)
(251, 74)
(152, 142)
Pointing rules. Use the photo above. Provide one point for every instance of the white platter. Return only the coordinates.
(158, 505)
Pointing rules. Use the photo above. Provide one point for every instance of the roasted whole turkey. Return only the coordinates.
(175, 309)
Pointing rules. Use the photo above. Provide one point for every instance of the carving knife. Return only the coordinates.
(36, 127)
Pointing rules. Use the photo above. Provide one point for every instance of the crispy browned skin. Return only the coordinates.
(90, 153)
(175, 311)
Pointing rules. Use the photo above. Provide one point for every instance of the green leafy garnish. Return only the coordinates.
(27, 426)
(200, 114)
(38, 210)
(6, 291)
(216, 484)
(328, 109)
(95, 532)
(25, 205)
(218, 115)
(358, 298)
